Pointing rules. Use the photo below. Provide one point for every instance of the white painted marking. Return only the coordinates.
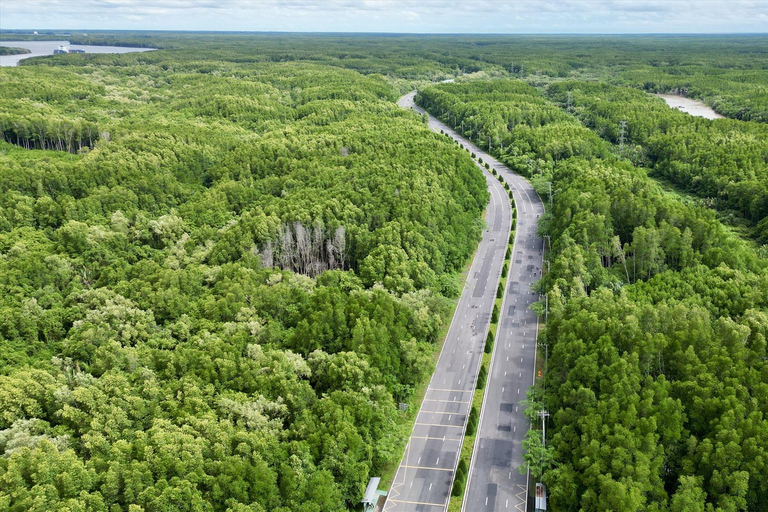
(430, 487)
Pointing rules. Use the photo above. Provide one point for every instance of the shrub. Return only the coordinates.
(489, 343)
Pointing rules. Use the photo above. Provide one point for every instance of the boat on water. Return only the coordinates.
(66, 49)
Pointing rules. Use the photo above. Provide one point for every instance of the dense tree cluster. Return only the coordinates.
(728, 72)
(722, 161)
(657, 326)
(219, 300)
(511, 118)
(223, 264)
(10, 50)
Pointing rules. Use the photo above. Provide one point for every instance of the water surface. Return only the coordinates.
(40, 48)
(693, 107)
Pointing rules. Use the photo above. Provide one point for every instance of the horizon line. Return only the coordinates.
(208, 31)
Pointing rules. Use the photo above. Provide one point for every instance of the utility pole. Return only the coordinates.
(550, 193)
(569, 102)
(622, 135)
(550, 242)
(543, 414)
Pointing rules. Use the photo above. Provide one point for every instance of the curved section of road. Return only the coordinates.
(495, 482)
(423, 480)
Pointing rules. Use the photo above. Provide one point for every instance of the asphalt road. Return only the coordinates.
(495, 482)
(423, 480)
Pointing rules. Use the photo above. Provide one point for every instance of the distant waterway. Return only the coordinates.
(41, 48)
(693, 107)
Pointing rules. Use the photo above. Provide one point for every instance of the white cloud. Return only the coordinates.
(392, 15)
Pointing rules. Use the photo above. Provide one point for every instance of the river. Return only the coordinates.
(693, 107)
(41, 48)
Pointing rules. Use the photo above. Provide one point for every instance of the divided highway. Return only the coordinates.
(423, 480)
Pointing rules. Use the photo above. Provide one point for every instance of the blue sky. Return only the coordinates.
(421, 16)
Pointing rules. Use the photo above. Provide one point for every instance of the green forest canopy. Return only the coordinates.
(658, 315)
(224, 263)
(218, 281)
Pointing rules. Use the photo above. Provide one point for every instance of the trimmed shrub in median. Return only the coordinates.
(472, 421)
(482, 377)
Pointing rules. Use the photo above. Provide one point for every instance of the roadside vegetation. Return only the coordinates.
(219, 280)
(473, 421)
(657, 315)
(225, 264)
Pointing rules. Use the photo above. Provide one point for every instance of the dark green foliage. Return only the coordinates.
(459, 479)
(472, 422)
(500, 291)
(495, 314)
(9, 50)
(505, 269)
(489, 343)
(482, 377)
(509, 253)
